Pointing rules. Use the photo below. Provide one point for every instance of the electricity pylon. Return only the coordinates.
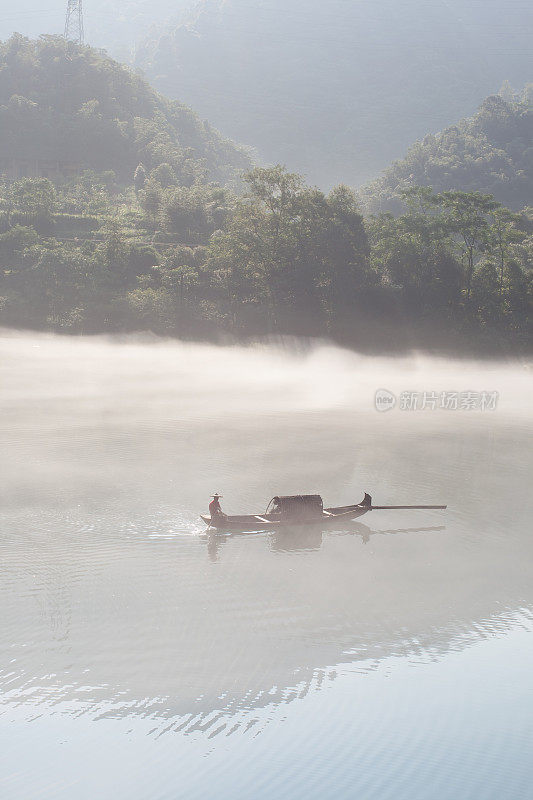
(74, 21)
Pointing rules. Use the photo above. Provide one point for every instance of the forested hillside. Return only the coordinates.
(82, 110)
(491, 152)
(111, 220)
(339, 89)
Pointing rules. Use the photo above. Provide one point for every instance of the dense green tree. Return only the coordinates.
(412, 254)
(32, 196)
(139, 178)
(454, 270)
(293, 249)
(467, 215)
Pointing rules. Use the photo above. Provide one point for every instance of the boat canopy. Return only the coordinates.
(296, 504)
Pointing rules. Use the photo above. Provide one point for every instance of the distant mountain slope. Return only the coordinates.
(339, 89)
(119, 24)
(61, 102)
(491, 152)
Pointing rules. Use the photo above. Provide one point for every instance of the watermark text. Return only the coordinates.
(467, 400)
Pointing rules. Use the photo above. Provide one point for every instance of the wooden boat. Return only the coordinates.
(299, 510)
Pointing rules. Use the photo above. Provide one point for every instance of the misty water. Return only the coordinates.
(144, 658)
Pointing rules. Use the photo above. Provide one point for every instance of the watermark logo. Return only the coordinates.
(437, 401)
(384, 400)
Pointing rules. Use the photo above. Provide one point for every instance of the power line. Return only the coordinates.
(74, 21)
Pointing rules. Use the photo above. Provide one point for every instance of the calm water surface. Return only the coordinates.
(142, 658)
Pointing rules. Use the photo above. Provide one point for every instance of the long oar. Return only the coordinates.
(396, 508)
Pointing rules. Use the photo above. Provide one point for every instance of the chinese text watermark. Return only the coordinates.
(437, 400)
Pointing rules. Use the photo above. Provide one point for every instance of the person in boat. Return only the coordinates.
(214, 507)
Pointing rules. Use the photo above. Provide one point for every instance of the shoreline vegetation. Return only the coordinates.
(165, 227)
(296, 346)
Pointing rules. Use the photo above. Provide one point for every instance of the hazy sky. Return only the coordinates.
(105, 22)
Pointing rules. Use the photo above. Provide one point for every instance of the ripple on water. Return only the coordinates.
(336, 648)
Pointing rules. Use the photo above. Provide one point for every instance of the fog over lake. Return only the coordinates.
(388, 659)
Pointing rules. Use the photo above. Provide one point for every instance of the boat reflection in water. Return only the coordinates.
(304, 539)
